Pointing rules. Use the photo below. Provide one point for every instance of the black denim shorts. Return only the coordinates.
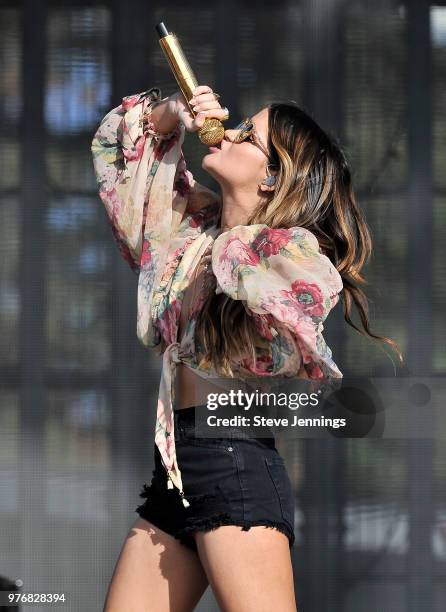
(227, 481)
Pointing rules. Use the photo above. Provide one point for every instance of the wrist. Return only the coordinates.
(164, 116)
(173, 108)
(176, 106)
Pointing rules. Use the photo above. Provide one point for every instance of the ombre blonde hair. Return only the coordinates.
(313, 190)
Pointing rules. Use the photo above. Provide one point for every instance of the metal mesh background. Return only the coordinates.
(77, 396)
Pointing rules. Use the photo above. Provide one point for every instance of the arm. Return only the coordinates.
(145, 186)
(142, 175)
(127, 152)
(164, 118)
(282, 273)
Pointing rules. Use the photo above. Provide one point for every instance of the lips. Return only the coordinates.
(216, 146)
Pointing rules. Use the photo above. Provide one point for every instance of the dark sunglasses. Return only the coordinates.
(247, 131)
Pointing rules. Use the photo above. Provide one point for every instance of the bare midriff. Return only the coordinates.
(191, 389)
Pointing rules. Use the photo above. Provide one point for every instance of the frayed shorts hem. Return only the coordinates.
(186, 534)
(211, 523)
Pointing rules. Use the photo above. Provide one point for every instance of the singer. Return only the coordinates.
(231, 284)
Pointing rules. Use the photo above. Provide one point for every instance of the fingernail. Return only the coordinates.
(196, 108)
(201, 113)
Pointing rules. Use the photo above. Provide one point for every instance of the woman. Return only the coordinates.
(229, 285)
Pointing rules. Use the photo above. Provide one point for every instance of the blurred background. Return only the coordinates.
(78, 391)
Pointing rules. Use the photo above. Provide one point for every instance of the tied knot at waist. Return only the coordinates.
(173, 353)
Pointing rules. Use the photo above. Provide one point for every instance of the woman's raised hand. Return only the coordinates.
(207, 105)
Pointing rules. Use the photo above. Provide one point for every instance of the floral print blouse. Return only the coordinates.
(164, 221)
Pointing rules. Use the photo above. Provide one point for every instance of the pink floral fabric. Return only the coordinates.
(282, 275)
(163, 221)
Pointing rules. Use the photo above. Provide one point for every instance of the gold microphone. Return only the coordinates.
(212, 131)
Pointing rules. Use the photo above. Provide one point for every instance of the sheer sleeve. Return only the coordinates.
(127, 153)
(145, 187)
(282, 273)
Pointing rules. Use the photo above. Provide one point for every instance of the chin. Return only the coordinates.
(204, 162)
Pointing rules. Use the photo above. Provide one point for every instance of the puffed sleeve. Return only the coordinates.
(146, 189)
(143, 178)
(282, 273)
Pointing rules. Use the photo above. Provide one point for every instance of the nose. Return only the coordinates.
(225, 137)
(228, 135)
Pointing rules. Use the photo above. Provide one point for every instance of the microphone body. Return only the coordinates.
(212, 131)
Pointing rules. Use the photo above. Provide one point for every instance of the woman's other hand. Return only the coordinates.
(207, 105)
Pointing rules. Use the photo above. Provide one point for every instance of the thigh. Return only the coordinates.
(248, 570)
(155, 572)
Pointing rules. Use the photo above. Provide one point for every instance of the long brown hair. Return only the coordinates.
(313, 190)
